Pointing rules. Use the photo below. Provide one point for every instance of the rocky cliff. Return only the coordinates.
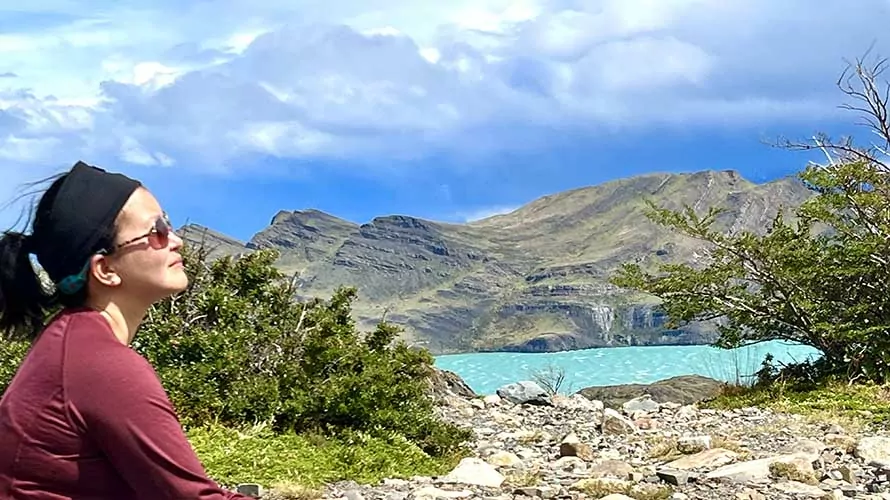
(535, 279)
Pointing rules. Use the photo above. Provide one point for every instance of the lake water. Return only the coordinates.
(485, 372)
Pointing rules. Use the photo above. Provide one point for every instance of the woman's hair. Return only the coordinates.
(26, 298)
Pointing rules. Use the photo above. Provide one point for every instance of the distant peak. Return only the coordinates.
(400, 220)
(284, 216)
(193, 231)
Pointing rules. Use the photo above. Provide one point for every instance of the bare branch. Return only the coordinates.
(861, 82)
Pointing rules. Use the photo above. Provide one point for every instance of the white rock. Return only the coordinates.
(492, 400)
(474, 471)
(874, 449)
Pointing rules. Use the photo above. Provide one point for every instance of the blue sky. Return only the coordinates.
(231, 110)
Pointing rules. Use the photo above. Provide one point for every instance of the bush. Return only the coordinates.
(12, 352)
(236, 349)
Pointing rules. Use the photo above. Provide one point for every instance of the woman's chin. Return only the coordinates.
(177, 281)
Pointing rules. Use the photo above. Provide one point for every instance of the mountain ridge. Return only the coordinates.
(534, 279)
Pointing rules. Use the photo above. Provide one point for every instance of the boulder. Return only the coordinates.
(684, 390)
(444, 383)
(525, 392)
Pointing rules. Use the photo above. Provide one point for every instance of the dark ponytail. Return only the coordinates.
(23, 302)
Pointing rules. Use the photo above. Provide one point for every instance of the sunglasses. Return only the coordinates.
(158, 236)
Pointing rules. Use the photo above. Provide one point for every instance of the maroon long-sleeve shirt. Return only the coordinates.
(86, 417)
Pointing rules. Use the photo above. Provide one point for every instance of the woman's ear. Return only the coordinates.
(103, 271)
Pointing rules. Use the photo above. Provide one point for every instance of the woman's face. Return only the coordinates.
(147, 260)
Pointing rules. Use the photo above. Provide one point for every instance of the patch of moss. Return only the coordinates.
(849, 405)
(303, 462)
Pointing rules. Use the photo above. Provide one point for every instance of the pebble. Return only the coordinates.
(571, 448)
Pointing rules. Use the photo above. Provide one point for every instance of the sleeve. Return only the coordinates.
(129, 416)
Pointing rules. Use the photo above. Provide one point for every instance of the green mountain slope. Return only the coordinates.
(535, 279)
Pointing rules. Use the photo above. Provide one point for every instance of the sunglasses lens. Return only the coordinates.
(162, 231)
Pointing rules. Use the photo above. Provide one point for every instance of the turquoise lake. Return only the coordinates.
(485, 372)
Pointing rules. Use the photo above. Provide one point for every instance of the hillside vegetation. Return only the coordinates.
(536, 279)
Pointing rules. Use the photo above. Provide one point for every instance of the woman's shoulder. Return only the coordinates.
(93, 352)
(84, 326)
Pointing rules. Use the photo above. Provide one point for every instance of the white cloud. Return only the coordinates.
(168, 83)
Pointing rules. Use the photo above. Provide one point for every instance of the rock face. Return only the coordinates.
(685, 389)
(534, 280)
(580, 449)
(445, 383)
(525, 392)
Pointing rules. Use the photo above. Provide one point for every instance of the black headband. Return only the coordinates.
(79, 218)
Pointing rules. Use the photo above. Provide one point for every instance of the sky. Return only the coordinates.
(231, 110)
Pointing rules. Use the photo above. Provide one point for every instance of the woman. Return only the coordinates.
(85, 416)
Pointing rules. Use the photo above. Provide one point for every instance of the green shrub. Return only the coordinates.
(12, 352)
(237, 348)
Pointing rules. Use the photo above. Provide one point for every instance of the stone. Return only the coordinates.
(799, 490)
(474, 471)
(841, 442)
(684, 389)
(491, 400)
(250, 489)
(577, 402)
(645, 423)
(808, 446)
(504, 459)
(750, 470)
(834, 429)
(571, 446)
(643, 404)
(616, 423)
(610, 468)
(675, 477)
(354, 495)
(750, 494)
(873, 448)
(525, 392)
(545, 492)
(847, 474)
(693, 444)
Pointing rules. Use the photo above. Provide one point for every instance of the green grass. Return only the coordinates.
(853, 405)
(258, 455)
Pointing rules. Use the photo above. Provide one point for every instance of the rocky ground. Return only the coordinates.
(530, 446)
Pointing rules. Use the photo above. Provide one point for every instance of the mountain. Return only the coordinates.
(535, 279)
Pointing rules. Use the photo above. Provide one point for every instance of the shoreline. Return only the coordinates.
(607, 348)
(485, 372)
